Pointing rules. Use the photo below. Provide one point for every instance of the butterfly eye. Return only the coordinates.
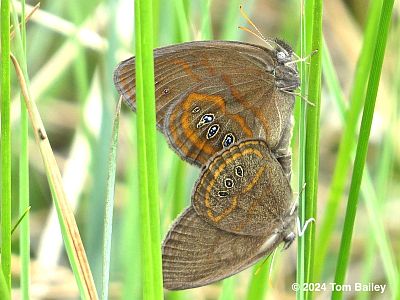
(212, 131)
(205, 119)
(239, 171)
(228, 140)
(222, 193)
(229, 183)
(196, 110)
(165, 91)
(281, 55)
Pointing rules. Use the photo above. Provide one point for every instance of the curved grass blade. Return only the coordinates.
(73, 243)
(362, 145)
(346, 145)
(372, 198)
(109, 205)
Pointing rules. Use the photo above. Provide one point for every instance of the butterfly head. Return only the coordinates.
(285, 72)
(284, 52)
(286, 78)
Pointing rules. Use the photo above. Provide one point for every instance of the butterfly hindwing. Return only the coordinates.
(243, 190)
(196, 253)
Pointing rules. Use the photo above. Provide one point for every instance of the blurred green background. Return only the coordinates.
(72, 49)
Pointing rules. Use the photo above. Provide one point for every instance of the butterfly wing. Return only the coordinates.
(238, 76)
(243, 190)
(196, 253)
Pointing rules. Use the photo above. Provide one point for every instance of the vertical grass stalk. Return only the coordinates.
(24, 240)
(301, 125)
(347, 143)
(5, 147)
(109, 205)
(147, 159)
(362, 145)
(183, 23)
(373, 193)
(308, 137)
(4, 290)
(311, 162)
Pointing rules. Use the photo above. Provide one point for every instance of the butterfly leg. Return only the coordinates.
(301, 230)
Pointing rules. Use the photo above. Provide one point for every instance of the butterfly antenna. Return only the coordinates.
(250, 31)
(258, 34)
(246, 17)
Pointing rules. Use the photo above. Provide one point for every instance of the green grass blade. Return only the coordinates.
(347, 144)
(183, 24)
(156, 21)
(20, 219)
(380, 236)
(228, 289)
(230, 29)
(311, 162)
(362, 146)
(176, 190)
(5, 147)
(24, 185)
(305, 46)
(4, 290)
(332, 81)
(258, 286)
(177, 193)
(147, 158)
(69, 229)
(109, 205)
(100, 152)
(130, 246)
(206, 26)
(373, 199)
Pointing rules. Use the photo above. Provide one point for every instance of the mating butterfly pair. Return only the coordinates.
(227, 107)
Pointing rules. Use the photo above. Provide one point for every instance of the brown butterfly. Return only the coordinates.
(211, 94)
(241, 210)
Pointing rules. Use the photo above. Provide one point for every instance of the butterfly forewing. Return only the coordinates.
(238, 76)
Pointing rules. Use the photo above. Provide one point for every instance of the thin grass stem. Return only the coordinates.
(347, 142)
(5, 147)
(109, 205)
(362, 146)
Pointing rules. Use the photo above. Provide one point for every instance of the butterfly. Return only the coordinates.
(210, 94)
(241, 210)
